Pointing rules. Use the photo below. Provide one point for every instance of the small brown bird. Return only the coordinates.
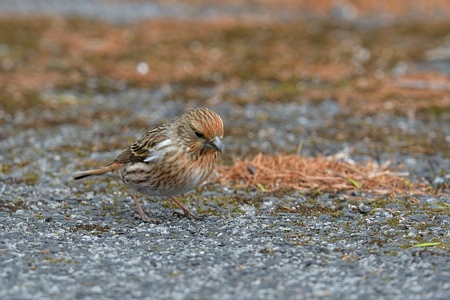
(169, 160)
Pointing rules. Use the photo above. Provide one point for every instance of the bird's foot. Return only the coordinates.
(146, 219)
(142, 213)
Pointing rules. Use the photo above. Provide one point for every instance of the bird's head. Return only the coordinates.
(201, 131)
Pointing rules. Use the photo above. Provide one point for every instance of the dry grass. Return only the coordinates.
(332, 174)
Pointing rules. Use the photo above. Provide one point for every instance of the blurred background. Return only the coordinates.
(80, 80)
(365, 81)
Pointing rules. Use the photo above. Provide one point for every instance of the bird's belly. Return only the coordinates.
(150, 181)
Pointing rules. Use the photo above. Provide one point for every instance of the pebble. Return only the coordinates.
(363, 208)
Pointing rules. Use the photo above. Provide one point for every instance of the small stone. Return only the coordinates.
(348, 216)
(213, 205)
(342, 199)
(97, 289)
(420, 218)
(431, 200)
(364, 208)
(438, 180)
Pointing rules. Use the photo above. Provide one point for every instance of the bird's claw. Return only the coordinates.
(147, 219)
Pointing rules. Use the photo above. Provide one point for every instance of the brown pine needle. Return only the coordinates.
(324, 173)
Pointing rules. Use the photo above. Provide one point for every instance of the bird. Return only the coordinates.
(169, 160)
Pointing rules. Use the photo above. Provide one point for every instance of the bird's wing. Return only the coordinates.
(144, 147)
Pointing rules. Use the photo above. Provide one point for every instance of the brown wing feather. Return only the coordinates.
(142, 148)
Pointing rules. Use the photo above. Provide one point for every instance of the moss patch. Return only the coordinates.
(12, 206)
(94, 229)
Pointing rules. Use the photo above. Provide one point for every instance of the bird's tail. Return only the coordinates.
(113, 167)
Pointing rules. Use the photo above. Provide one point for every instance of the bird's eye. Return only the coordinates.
(198, 134)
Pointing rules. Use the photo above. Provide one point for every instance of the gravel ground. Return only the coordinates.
(61, 239)
(81, 240)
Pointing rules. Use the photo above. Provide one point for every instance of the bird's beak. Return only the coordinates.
(217, 144)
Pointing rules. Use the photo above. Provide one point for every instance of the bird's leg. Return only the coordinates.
(142, 213)
(187, 212)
